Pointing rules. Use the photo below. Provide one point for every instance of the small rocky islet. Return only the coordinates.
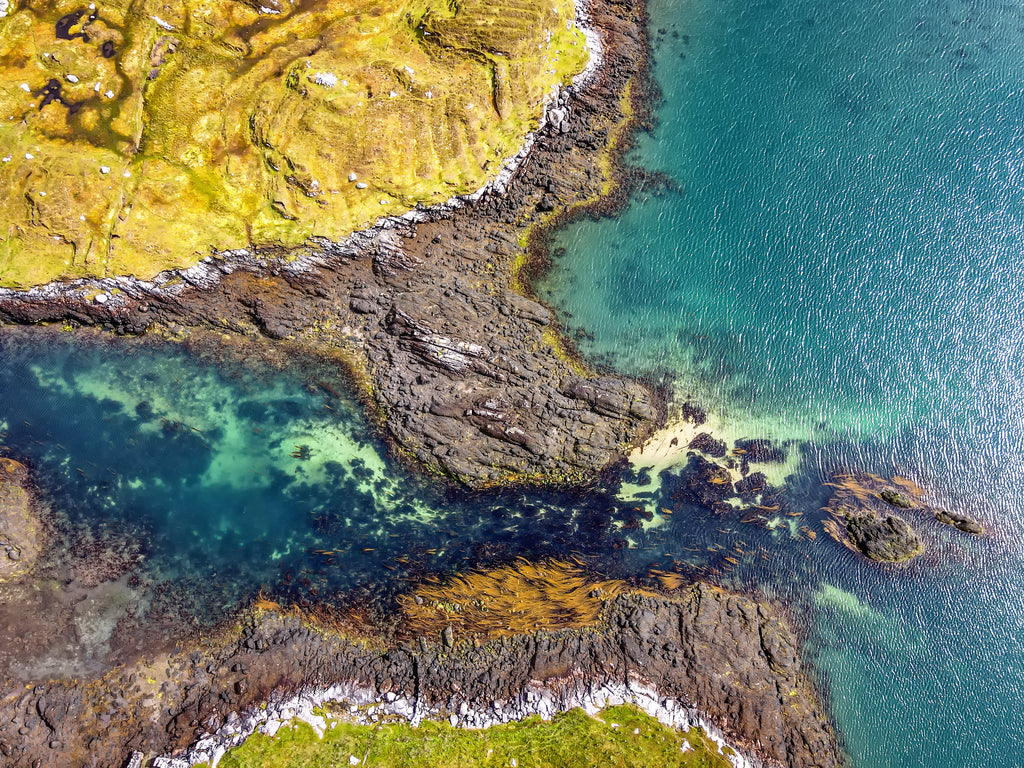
(867, 516)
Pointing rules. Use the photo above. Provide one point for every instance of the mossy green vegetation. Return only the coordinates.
(618, 736)
(140, 135)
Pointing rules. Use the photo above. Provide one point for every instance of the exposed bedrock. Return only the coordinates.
(468, 377)
(728, 656)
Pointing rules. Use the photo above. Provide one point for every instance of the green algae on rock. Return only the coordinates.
(141, 136)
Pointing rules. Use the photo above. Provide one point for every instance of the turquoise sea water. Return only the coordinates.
(843, 265)
(841, 268)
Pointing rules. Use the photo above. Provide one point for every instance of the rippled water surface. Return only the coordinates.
(843, 266)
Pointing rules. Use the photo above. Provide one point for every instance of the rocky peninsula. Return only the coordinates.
(728, 661)
(467, 376)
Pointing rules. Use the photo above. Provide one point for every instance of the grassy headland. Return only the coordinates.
(618, 736)
(138, 136)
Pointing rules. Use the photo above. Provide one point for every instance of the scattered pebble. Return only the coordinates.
(101, 298)
(72, 78)
(361, 185)
(104, 169)
(25, 88)
(351, 177)
(29, 156)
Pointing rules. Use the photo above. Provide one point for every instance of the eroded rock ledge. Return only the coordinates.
(20, 528)
(467, 376)
(725, 655)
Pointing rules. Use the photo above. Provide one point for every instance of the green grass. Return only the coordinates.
(618, 736)
(222, 132)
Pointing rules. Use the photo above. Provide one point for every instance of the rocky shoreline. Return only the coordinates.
(703, 653)
(466, 376)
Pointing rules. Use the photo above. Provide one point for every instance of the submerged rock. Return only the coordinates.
(20, 534)
(706, 443)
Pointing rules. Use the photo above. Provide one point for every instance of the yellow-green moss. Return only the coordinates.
(618, 736)
(192, 125)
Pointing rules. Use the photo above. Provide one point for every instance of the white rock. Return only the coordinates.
(326, 79)
(353, 760)
(351, 177)
(101, 298)
(361, 185)
(104, 169)
(72, 78)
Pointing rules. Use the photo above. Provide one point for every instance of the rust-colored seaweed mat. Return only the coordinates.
(518, 598)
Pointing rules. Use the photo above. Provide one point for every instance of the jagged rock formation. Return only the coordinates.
(730, 657)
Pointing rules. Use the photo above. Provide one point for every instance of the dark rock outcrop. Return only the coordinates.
(881, 536)
(863, 518)
(960, 522)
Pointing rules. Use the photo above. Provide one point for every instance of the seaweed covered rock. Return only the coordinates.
(20, 535)
(960, 522)
(894, 498)
(881, 536)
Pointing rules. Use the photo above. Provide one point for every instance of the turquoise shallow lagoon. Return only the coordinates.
(840, 268)
(843, 266)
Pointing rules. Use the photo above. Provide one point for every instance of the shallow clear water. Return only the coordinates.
(232, 474)
(843, 266)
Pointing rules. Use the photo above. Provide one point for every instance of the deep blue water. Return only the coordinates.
(842, 266)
